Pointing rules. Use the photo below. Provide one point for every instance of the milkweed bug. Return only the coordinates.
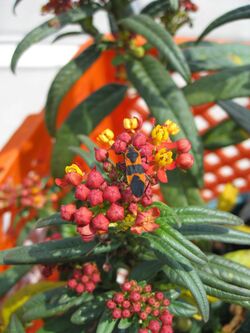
(134, 170)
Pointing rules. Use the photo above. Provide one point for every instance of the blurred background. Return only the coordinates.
(25, 92)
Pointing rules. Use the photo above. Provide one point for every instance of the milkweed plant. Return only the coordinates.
(130, 248)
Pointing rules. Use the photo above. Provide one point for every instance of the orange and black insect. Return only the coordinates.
(135, 173)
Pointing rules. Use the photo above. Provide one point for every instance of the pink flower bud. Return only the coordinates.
(94, 179)
(143, 330)
(166, 329)
(147, 150)
(110, 304)
(135, 296)
(72, 283)
(136, 307)
(119, 146)
(133, 208)
(112, 194)
(107, 166)
(146, 201)
(100, 223)
(96, 278)
(90, 287)
(185, 161)
(143, 315)
(86, 233)
(82, 192)
(124, 136)
(67, 212)
(159, 296)
(73, 178)
(115, 213)
(126, 313)
(166, 318)
(183, 146)
(80, 288)
(139, 140)
(126, 304)
(95, 197)
(103, 186)
(147, 288)
(117, 313)
(83, 216)
(118, 298)
(101, 155)
(154, 325)
(89, 268)
(126, 286)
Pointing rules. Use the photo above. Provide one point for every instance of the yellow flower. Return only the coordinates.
(159, 134)
(73, 168)
(228, 197)
(106, 137)
(130, 123)
(163, 157)
(172, 127)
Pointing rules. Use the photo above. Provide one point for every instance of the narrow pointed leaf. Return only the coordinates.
(51, 221)
(58, 251)
(88, 312)
(11, 276)
(238, 113)
(106, 323)
(178, 268)
(228, 297)
(15, 325)
(240, 13)
(229, 264)
(224, 134)
(197, 215)
(53, 302)
(64, 80)
(166, 101)
(217, 56)
(180, 244)
(161, 39)
(124, 324)
(17, 2)
(145, 270)
(158, 6)
(67, 34)
(50, 27)
(215, 233)
(181, 308)
(227, 84)
(82, 120)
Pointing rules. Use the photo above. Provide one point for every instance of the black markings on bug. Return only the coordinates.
(137, 186)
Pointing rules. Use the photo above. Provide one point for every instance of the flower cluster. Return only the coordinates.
(85, 279)
(59, 6)
(141, 302)
(188, 6)
(118, 195)
(32, 193)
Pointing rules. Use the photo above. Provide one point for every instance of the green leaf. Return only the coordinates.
(226, 296)
(11, 276)
(67, 34)
(58, 251)
(158, 6)
(145, 270)
(181, 308)
(217, 56)
(215, 233)
(240, 13)
(53, 302)
(62, 324)
(124, 324)
(225, 134)
(166, 101)
(215, 282)
(167, 214)
(51, 221)
(82, 120)
(227, 84)
(85, 313)
(197, 215)
(177, 242)
(17, 2)
(106, 323)
(64, 80)
(238, 113)
(161, 39)
(15, 325)
(181, 189)
(50, 27)
(179, 269)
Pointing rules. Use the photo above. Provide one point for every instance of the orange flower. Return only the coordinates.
(145, 221)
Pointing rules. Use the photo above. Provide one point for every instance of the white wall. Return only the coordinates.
(25, 92)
